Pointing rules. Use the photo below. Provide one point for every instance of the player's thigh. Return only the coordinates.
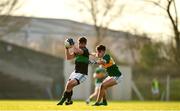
(71, 83)
(80, 78)
(108, 82)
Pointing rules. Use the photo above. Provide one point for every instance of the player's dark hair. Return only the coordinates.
(82, 40)
(101, 48)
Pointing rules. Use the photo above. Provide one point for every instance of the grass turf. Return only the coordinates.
(81, 106)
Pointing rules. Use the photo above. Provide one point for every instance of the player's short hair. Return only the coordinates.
(82, 40)
(101, 48)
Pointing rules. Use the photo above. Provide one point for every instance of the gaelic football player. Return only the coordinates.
(79, 75)
(114, 74)
(99, 75)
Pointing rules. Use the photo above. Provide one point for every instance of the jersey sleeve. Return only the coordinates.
(107, 58)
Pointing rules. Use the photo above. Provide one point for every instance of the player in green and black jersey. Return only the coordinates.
(79, 75)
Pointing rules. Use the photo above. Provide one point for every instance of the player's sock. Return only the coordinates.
(88, 101)
(104, 102)
(69, 96)
(64, 97)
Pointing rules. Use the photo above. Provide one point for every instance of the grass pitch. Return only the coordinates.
(81, 106)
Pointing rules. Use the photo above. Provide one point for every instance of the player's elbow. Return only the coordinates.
(68, 58)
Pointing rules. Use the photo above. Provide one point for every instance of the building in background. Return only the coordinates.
(48, 35)
(28, 74)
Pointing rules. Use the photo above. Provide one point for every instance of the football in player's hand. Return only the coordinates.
(68, 43)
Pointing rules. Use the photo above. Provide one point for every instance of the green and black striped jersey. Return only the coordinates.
(111, 68)
(82, 61)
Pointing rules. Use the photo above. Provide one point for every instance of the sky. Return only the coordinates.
(137, 16)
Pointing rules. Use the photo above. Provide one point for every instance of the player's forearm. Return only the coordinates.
(68, 55)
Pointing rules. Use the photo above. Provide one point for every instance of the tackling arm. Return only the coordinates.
(101, 61)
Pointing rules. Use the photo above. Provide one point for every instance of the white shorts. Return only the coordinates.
(98, 85)
(118, 79)
(78, 76)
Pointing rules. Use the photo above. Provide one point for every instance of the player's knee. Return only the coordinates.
(70, 85)
(102, 86)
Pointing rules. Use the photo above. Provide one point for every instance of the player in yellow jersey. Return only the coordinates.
(114, 74)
